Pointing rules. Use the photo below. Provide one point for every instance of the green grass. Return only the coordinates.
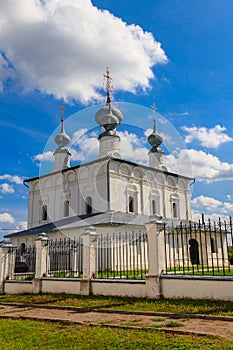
(186, 306)
(65, 274)
(199, 271)
(130, 274)
(26, 334)
(157, 319)
(24, 277)
(173, 324)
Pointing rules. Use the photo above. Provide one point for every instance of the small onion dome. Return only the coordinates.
(62, 139)
(154, 139)
(108, 115)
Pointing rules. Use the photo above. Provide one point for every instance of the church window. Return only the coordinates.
(66, 208)
(174, 210)
(88, 205)
(44, 213)
(213, 245)
(22, 248)
(131, 204)
(153, 203)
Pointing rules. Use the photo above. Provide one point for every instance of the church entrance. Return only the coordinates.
(193, 251)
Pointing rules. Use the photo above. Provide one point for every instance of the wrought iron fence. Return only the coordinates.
(23, 261)
(199, 249)
(122, 255)
(65, 257)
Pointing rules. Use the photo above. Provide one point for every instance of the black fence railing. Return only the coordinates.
(23, 260)
(65, 257)
(122, 255)
(199, 249)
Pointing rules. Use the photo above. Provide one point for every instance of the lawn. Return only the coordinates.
(27, 334)
(205, 307)
(198, 270)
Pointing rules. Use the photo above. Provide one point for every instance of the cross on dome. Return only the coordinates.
(108, 84)
(62, 139)
(154, 108)
(62, 110)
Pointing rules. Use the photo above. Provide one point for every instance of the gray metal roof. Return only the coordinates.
(96, 219)
(51, 226)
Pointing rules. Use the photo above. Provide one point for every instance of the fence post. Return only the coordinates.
(156, 257)
(5, 264)
(89, 259)
(41, 261)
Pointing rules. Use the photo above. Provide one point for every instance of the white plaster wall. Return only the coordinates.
(121, 289)
(212, 289)
(18, 287)
(60, 286)
(91, 180)
(197, 288)
(118, 193)
(73, 185)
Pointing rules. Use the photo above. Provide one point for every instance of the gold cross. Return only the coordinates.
(62, 109)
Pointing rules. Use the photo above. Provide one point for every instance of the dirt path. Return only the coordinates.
(155, 321)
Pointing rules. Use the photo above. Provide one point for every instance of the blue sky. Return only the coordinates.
(175, 53)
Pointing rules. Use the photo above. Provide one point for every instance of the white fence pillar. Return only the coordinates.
(89, 253)
(89, 259)
(41, 267)
(6, 264)
(156, 257)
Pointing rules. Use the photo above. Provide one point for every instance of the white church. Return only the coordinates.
(108, 193)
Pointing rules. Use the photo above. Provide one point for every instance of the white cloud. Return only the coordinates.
(12, 178)
(46, 156)
(53, 46)
(208, 202)
(85, 146)
(76, 136)
(210, 138)
(22, 225)
(212, 208)
(6, 217)
(5, 188)
(205, 166)
(131, 147)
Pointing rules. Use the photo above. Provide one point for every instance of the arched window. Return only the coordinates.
(88, 205)
(153, 205)
(131, 199)
(44, 213)
(66, 208)
(154, 202)
(22, 248)
(213, 245)
(174, 210)
(131, 204)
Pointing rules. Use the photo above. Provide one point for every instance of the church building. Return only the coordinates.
(109, 193)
